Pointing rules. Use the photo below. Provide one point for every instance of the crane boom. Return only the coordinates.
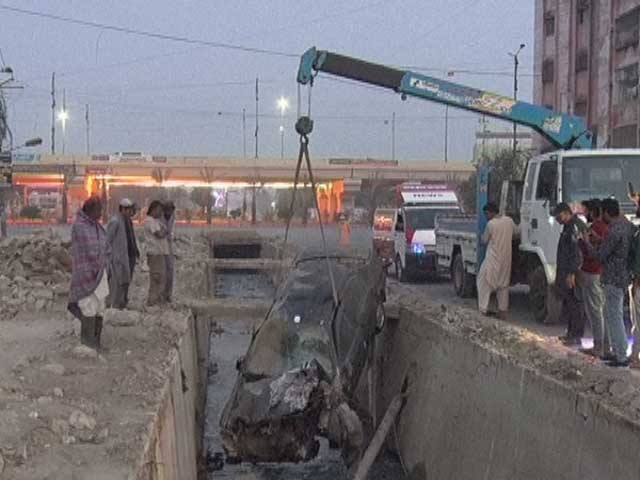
(562, 130)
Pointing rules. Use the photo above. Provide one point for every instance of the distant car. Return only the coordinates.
(383, 235)
(288, 391)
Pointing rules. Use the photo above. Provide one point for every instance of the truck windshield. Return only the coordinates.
(599, 177)
(425, 218)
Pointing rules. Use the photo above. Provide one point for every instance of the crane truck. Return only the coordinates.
(572, 173)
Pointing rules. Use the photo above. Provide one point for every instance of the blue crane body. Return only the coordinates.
(562, 130)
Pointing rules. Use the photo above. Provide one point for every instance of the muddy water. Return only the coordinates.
(225, 349)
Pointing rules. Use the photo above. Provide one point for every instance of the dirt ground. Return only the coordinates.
(68, 414)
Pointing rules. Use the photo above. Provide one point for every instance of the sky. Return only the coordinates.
(161, 96)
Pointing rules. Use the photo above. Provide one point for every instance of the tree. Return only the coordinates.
(201, 196)
(304, 200)
(504, 166)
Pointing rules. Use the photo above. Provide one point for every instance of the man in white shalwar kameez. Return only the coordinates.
(495, 272)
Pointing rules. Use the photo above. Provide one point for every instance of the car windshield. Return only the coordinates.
(599, 177)
(425, 218)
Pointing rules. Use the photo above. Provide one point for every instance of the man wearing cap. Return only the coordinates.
(569, 261)
(124, 251)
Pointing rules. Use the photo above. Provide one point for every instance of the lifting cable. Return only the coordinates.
(304, 126)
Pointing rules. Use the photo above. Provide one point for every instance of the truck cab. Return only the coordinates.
(565, 176)
(414, 227)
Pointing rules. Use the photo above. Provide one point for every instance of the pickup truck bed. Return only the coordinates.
(457, 250)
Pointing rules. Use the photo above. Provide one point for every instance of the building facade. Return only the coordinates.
(586, 63)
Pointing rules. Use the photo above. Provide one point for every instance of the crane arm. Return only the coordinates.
(562, 130)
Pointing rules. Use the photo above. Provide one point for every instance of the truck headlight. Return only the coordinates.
(418, 248)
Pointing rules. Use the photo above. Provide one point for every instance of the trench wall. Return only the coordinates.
(474, 414)
(174, 438)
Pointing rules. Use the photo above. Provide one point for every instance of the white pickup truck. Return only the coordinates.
(563, 176)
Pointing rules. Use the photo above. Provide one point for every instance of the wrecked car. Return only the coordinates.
(305, 359)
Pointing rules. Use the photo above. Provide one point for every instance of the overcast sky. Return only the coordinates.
(161, 96)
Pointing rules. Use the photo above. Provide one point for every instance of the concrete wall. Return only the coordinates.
(174, 435)
(474, 414)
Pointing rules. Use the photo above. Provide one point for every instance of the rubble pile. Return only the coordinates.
(36, 270)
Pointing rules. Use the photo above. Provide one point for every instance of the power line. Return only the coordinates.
(149, 34)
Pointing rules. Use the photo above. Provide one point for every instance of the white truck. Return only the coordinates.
(563, 176)
(414, 226)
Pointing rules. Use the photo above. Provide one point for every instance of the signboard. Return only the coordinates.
(417, 193)
(363, 162)
(5, 158)
(99, 158)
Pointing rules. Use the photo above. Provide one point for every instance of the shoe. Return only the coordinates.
(618, 364)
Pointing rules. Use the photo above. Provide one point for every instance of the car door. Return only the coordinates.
(543, 231)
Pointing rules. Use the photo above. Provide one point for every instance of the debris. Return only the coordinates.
(60, 427)
(1, 464)
(54, 368)
(82, 351)
(58, 393)
(122, 318)
(81, 421)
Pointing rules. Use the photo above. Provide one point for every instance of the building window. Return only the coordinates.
(582, 61)
(627, 84)
(547, 71)
(624, 137)
(580, 107)
(549, 24)
(627, 30)
(583, 6)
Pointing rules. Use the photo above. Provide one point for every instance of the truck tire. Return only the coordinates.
(543, 301)
(401, 273)
(463, 282)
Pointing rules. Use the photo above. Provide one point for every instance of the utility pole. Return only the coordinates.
(393, 136)
(53, 113)
(244, 133)
(86, 119)
(257, 113)
(446, 133)
(516, 63)
(64, 120)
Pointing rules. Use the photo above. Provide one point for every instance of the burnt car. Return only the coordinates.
(298, 377)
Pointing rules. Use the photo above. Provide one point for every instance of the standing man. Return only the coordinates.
(157, 253)
(90, 254)
(613, 252)
(569, 262)
(495, 272)
(169, 217)
(123, 247)
(591, 293)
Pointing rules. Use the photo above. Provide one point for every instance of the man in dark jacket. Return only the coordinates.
(569, 261)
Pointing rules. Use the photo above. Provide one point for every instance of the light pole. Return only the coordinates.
(63, 116)
(283, 106)
(516, 63)
(446, 133)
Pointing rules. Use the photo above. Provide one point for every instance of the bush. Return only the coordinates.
(31, 212)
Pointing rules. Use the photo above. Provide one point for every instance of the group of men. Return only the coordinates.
(104, 259)
(594, 273)
(595, 269)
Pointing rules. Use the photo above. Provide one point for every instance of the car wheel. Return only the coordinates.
(381, 318)
(463, 282)
(543, 301)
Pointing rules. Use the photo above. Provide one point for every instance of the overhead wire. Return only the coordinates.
(148, 33)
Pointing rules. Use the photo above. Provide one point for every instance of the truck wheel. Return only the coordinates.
(463, 282)
(401, 274)
(543, 301)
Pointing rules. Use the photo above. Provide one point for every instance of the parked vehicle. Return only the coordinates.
(414, 227)
(383, 236)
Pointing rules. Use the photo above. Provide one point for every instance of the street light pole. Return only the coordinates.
(283, 106)
(516, 64)
(446, 133)
(393, 136)
(63, 118)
